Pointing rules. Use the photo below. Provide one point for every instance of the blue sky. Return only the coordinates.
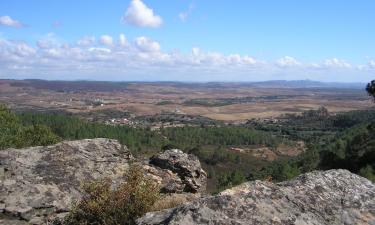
(199, 40)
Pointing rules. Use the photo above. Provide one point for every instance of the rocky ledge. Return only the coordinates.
(329, 197)
(38, 184)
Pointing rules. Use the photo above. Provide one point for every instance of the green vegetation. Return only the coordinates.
(14, 134)
(165, 102)
(186, 137)
(74, 128)
(141, 140)
(205, 102)
(353, 149)
(175, 118)
(231, 179)
(123, 205)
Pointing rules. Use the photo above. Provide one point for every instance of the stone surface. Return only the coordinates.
(41, 182)
(169, 181)
(186, 166)
(38, 184)
(329, 197)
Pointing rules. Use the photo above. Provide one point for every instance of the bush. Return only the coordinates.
(102, 204)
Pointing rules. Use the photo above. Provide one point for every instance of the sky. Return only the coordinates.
(188, 40)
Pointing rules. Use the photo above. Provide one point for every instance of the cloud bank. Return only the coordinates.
(117, 58)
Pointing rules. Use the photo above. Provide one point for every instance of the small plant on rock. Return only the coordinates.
(103, 204)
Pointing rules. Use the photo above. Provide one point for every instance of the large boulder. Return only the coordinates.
(39, 183)
(186, 166)
(329, 197)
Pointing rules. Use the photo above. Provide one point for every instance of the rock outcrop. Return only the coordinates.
(186, 166)
(330, 197)
(38, 184)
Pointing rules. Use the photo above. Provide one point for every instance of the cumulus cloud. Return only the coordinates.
(86, 41)
(8, 21)
(147, 45)
(15, 50)
(372, 64)
(184, 15)
(138, 14)
(122, 41)
(48, 41)
(106, 40)
(337, 63)
(287, 61)
(23, 50)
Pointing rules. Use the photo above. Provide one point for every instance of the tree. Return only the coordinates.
(371, 89)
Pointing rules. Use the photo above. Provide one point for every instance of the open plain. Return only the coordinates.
(219, 101)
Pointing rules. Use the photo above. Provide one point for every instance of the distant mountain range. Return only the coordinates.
(307, 83)
(85, 85)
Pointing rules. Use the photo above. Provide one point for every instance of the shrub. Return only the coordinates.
(103, 204)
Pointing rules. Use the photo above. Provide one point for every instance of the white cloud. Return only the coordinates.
(147, 45)
(144, 57)
(184, 15)
(86, 41)
(106, 40)
(138, 14)
(122, 40)
(15, 50)
(8, 21)
(372, 64)
(24, 50)
(338, 63)
(54, 53)
(287, 61)
(48, 41)
(195, 51)
(43, 44)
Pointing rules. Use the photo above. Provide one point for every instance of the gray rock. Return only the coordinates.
(39, 183)
(186, 166)
(329, 197)
(169, 182)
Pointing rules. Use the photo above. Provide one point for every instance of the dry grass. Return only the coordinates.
(173, 200)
